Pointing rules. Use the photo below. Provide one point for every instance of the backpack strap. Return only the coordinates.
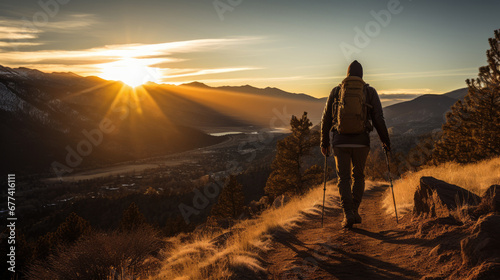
(335, 105)
(368, 124)
(366, 96)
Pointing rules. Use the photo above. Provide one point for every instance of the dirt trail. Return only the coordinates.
(376, 249)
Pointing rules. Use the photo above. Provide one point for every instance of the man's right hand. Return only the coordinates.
(326, 151)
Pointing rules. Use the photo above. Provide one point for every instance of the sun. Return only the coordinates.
(132, 71)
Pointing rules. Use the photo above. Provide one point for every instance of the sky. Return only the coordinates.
(408, 47)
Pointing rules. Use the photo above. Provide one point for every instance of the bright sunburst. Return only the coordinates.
(133, 72)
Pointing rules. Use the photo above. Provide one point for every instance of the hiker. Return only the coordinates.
(352, 110)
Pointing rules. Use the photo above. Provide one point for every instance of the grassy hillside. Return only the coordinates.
(475, 177)
(199, 258)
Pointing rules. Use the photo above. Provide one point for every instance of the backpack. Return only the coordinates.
(351, 110)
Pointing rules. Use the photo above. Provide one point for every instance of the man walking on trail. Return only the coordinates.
(352, 110)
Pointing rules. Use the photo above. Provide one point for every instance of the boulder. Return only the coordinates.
(436, 198)
(485, 271)
(280, 201)
(484, 242)
(490, 201)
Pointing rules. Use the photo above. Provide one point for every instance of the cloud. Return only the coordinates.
(21, 32)
(155, 56)
(425, 74)
(16, 33)
(18, 44)
(72, 23)
(242, 80)
(177, 73)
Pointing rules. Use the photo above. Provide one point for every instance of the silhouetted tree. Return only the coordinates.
(45, 245)
(289, 174)
(132, 218)
(472, 128)
(231, 200)
(72, 229)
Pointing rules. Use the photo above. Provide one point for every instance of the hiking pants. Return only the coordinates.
(345, 159)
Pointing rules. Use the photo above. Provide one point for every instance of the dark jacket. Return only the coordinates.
(375, 115)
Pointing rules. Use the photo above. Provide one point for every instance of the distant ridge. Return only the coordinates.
(458, 94)
(195, 105)
(268, 91)
(422, 114)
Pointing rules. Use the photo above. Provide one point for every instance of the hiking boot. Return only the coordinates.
(357, 217)
(348, 220)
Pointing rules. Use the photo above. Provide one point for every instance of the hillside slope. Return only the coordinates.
(420, 115)
(44, 117)
(378, 248)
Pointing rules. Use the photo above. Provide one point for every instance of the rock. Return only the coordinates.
(484, 243)
(485, 271)
(444, 257)
(280, 201)
(436, 198)
(490, 201)
(436, 251)
(436, 227)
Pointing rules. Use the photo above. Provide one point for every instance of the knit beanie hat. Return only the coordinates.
(355, 69)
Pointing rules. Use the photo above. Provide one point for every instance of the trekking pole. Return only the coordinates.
(390, 180)
(324, 190)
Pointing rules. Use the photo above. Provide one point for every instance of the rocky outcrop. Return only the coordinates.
(485, 271)
(435, 198)
(483, 245)
(490, 201)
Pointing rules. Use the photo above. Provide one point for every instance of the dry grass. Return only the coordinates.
(200, 259)
(115, 255)
(473, 177)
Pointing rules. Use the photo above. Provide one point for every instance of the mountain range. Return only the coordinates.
(422, 114)
(52, 117)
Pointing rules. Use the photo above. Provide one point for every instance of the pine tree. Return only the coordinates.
(231, 200)
(290, 175)
(132, 218)
(472, 129)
